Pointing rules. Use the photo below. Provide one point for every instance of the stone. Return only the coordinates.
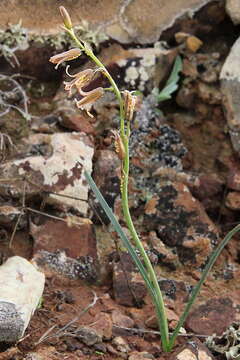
(53, 163)
(213, 317)
(121, 320)
(182, 223)
(102, 324)
(142, 355)
(84, 268)
(106, 177)
(22, 287)
(232, 200)
(192, 350)
(233, 10)
(9, 216)
(76, 240)
(233, 180)
(230, 87)
(128, 286)
(193, 43)
(88, 335)
(121, 344)
(140, 21)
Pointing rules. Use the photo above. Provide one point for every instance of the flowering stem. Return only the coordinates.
(125, 134)
(117, 92)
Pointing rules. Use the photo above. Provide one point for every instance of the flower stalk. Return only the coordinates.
(127, 103)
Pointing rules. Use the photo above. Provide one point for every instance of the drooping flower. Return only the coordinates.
(130, 102)
(89, 98)
(80, 79)
(119, 146)
(65, 56)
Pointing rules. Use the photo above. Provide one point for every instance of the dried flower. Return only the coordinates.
(66, 17)
(80, 79)
(65, 56)
(119, 146)
(130, 102)
(89, 99)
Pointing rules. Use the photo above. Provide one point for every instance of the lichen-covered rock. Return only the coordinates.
(126, 21)
(53, 163)
(230, 86)
(182, 223)
(83, 268)
(22, 286)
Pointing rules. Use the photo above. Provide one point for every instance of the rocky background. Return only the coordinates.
(184, 184)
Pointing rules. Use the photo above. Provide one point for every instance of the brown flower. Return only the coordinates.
(80, 79)
(89, 98)
(65, 56)
(130, 102)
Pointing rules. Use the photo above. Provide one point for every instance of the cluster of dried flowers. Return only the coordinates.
(79, 81)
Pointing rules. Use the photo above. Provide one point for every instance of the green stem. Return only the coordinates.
(157, 298)
(197, 288)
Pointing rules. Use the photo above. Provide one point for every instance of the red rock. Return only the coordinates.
(128, 286)
(122, 320)
(136, 355)
(193, 350)
(232, 200)
(233, 181)
(102, 324)
(76, 122)
(213, 317)
(75, 240)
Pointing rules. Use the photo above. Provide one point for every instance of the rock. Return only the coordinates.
(182, 223)
(233, 10)
(132, 21)
(121, 344)
(77, 122)
(233, 180)
(102, 324)
(136, 355)
(230, 87)
(84, 268)
(9, 216)
(192, 350)
(128, 286)
(193, 43)
(106, 177)
(172, 317)
(121, 320)
(213, 317)
(53, 163)
(76, 240)
(232, 200)
(22, 286)
(88, 335)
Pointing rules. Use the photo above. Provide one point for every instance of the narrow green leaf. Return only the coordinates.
(120, 231)
(172, 83)
(195, 292)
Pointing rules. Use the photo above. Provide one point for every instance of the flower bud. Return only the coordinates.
(66, 17)
(119, 146)
(129, 104)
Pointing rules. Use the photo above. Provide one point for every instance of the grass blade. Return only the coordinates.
(120, 232)
(205, 273)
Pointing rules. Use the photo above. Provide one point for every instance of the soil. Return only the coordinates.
(202, 160)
